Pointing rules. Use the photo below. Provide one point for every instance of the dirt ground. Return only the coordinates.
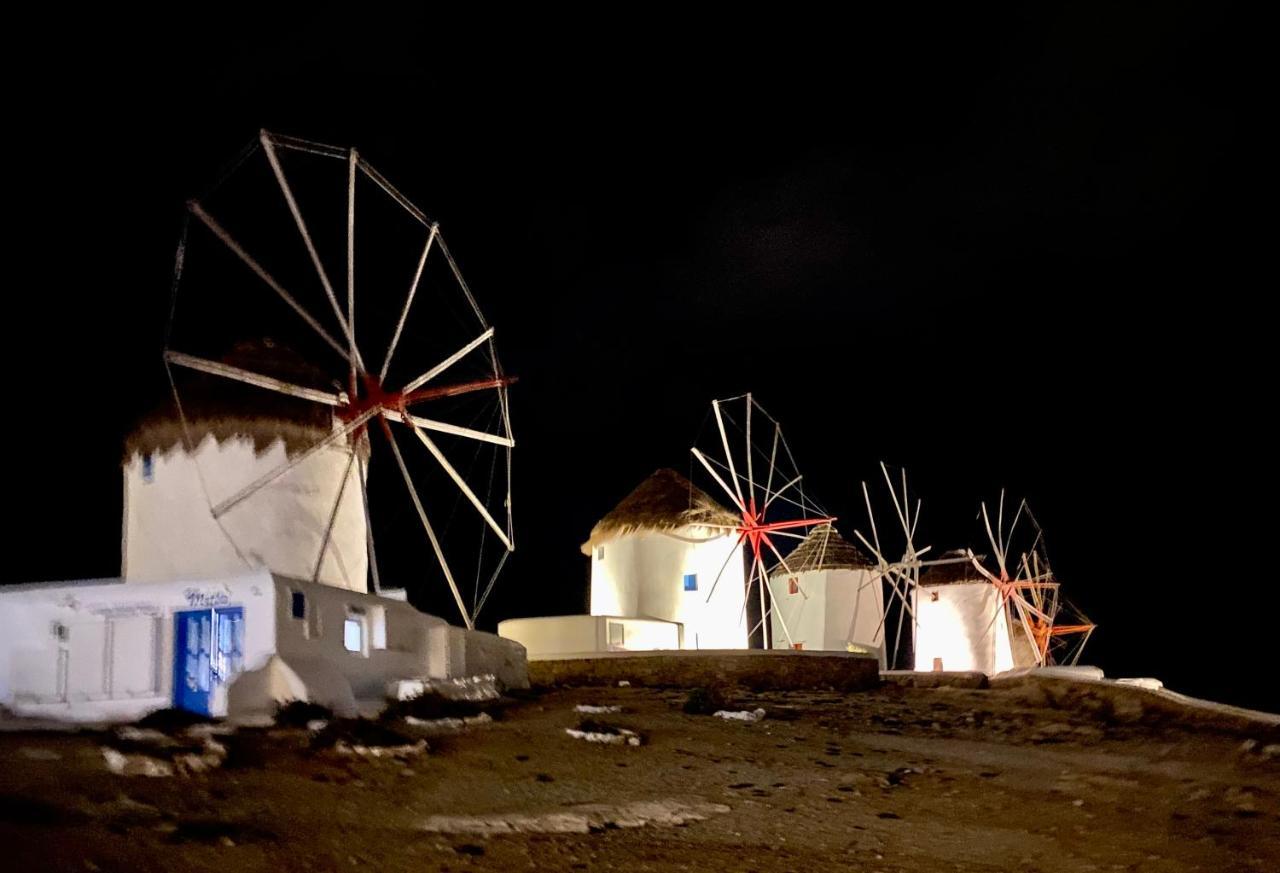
(893, 779)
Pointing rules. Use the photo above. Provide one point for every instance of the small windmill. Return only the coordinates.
(902, 575)
(1030, 599)
(759, 477)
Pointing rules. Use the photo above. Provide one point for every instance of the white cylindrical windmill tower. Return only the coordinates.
(266, 456)
(669, 551)
(829, 595)
(187, 513)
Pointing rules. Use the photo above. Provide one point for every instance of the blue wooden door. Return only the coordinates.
(208, 652)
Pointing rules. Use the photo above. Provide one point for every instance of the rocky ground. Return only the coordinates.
(1027, 777)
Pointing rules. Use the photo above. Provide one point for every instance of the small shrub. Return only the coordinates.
(360, 732)
(171, 720)
(431, 706)
(298, 713)
(705, 701)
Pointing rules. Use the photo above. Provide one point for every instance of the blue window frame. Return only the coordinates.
(690, 581)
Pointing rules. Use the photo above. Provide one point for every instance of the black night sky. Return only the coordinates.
(1002, 248)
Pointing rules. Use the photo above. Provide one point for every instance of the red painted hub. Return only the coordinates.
(370, 394)
(755, 530)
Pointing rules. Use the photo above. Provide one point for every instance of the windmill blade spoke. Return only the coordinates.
(381, 181)
(734, 496)
(906, 506)
(252, 488)
(462, 283)
(368, 527)
(773, 457)
(983, 570)
(727, 558)
(426, 525)
(268, 147)
(1000, 527)
(356, 362)
(782, 619)
(451, 429)
(1016, 516)
(871, 517)
(198, 211)
(728, 454)
(769, 498)
(897, 507)
(461, 483)
(995, 546)
(333, 516)
(874, 551)
(298, 144)
(782, 562)
(998, 611)
(750, 580)
(408, 303)
(488, 588)
(248, 377)
(763, 582)
(751, 482)
(447, 362)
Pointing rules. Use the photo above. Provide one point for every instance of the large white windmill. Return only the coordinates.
(748, 459)
(372, 328)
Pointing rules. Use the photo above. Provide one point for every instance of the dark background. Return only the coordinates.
(1002, 248)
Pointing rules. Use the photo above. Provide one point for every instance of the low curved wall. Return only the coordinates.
(774, 670)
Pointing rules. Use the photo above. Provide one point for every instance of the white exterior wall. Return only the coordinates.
(642, 575)
(398, 641)
(583, 634)
(955, 624)
(116, 662)
(169, 532)
(831, 610)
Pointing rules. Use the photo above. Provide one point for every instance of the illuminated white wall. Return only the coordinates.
(103, 650)
(583, 634)
(642, 575)
(964, 625)
(830, 610)
(169, 532)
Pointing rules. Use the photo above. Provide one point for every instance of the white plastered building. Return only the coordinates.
(961, 621)
(828, 596)
(232, 614)
(666, 572)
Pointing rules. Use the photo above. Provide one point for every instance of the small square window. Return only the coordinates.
(298, 604)
(148, 468)
(617, 634)
(793, 585)
(599, 553)
(690, 581)
(353, 635)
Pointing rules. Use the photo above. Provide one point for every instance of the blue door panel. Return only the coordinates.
(208, 652)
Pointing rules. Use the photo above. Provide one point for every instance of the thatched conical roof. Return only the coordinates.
(664, 501)
(951, 573)
(825, 549)
(227, 409)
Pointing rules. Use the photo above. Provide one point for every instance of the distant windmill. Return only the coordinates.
(750, 461)
(1030, 599)
(902, 575)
